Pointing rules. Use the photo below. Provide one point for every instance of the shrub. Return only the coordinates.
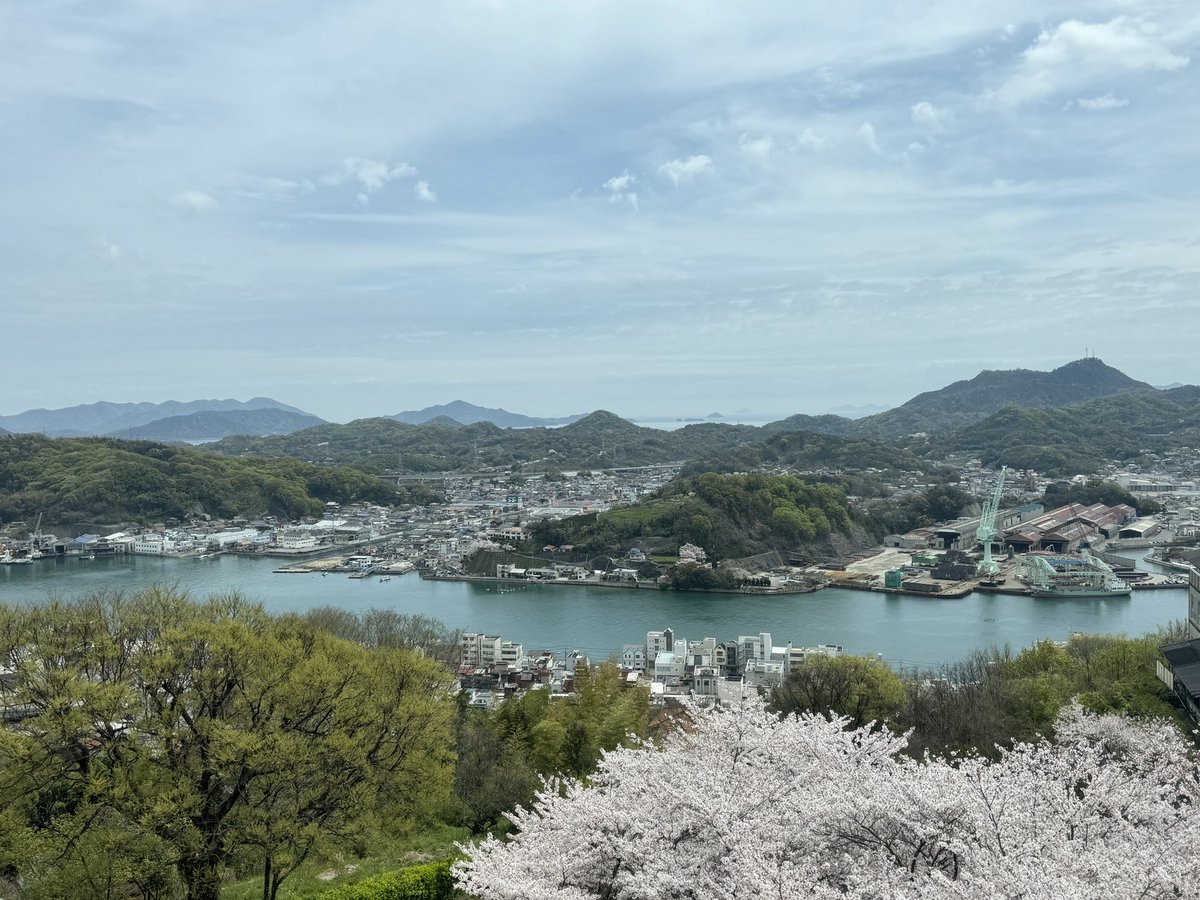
(432, 881)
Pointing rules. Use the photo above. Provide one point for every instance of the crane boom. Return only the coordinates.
(988, 567)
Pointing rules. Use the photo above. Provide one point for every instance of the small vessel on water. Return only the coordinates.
(1058, 575)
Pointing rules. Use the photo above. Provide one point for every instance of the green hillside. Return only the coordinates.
(598, 440)
(970, 400)
(106, 480)
(727, 515)
(1078, 439)
(803, 450)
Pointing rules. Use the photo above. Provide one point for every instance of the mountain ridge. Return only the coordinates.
(465, 413)
(212, 425)
(964, 402)
(104, 417)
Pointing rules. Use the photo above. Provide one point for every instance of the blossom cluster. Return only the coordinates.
(747, 805)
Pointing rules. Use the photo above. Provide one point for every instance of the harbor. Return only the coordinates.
(906, 630)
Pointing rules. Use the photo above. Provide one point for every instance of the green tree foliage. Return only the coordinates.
(1096, 490)
(1077, 439)
(993, 699)
(727, 515)
(196, 731)
(504, 754)
(600, 440)
(801, 449)
(939, 503)
(700, 578)
(494, 773)
(860, 687)
(432, 881)
(104, 480)
(390, 629)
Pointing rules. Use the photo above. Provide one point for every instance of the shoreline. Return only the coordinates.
(619, 585)
(954, 593)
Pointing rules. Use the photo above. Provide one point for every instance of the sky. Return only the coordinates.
(361, 207)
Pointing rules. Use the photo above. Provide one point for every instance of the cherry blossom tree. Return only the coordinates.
(745, 805)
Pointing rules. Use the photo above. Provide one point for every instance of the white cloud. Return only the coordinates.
(276, 189)
(866, 131)
(371, 175)
(619, 184)
(423, 192)
(925, 113)
(1075, 52)
(1128, 43)
(251, 91)
(1106, 101)
(810, 140)
(620, 189)
(195, 201)
(756, 148)
(107, 250)
(680, 171)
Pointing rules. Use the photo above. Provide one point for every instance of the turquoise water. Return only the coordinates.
(905, 630)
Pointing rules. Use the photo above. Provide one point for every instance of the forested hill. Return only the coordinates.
(212, 425)
(464, 413)
(105, 480)
(1079, 438)
(598, 440)
(727, 515)
(966, 402)
(807, 451)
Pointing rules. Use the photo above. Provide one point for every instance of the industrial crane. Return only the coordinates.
(988, 567)
(35, 539)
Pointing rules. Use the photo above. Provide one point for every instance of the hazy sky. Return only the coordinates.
(363, 207)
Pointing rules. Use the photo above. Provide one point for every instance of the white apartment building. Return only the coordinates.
(482, 651)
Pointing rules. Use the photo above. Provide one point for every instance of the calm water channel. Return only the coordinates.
(907, 631)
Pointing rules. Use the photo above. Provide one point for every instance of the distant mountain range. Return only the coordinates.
(966, 402)
(857, 412)
(468, 414)
(1059, 422)
(114, 418)
(212, 425)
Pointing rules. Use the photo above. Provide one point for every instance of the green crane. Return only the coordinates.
(988, 567)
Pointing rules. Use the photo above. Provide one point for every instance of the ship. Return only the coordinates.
(1058, 575)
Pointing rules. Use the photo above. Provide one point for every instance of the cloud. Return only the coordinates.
(371, 175)
(195, 201)
(1123, 41)
(680, 171)
(1076, 52)
(276, 189)
(107, 250)
(810, 140)
(866, 131)
(620, 189)
(1107, 101)
(423, 192)
(756, 148)
(925, 113)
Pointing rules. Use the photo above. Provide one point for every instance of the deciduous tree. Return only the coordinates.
(748, 805)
